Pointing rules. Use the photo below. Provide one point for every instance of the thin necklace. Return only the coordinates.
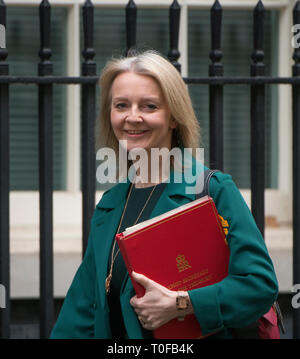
(114, 256)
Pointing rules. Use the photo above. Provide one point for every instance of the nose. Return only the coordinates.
(134, 115)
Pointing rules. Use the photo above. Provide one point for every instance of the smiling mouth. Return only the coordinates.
(135, 132)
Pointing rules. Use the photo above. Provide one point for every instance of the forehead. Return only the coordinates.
(130, 83)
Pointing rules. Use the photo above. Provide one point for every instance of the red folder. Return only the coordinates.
(182, 249)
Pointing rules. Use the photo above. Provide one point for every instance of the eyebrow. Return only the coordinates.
(147, 98)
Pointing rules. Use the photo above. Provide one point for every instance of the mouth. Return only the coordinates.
(135, 133)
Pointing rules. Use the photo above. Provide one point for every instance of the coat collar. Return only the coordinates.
(114, 196)
(177, 185)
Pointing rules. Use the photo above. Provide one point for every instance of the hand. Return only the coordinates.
(157, 306)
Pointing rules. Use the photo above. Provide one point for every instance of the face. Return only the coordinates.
(139, 113)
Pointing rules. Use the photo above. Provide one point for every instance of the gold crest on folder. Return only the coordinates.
(182, 263)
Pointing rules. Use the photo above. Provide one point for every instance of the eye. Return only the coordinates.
(151, 106)
(120, 105)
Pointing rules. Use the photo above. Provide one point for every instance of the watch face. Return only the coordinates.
(181, 303)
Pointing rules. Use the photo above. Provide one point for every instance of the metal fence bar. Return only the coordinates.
(4, 190)
(45, 175)
(70, 80)
(296, 175)
(131, 16)
(240, 80)
(216, 146)
(258, 121)
(174, 24)
(88, 114)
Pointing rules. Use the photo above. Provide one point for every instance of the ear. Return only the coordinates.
(173, 123)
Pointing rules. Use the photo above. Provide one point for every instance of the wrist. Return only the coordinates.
(183, 305)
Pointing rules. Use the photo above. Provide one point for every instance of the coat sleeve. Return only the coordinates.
(251, 286)
(76, 318)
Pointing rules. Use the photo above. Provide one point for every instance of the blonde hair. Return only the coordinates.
(150, 63)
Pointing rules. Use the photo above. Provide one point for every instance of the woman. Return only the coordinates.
(145, 104)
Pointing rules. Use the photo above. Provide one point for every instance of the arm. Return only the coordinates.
(251, 287)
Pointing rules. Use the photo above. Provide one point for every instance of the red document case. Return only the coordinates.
(182, 249)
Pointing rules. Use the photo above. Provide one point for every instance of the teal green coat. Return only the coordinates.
(243, 296)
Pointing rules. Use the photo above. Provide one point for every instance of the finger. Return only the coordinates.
(142, 319)
(147, 325)
(146, 282)
(134, 301)
(144, 322)
(141, 279)
(137, 310)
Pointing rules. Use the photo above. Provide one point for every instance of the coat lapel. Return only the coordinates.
(104, 227)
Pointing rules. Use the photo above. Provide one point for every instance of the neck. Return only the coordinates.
(144, 185)
(148, 175)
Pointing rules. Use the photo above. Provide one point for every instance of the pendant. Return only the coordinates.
(107, 283)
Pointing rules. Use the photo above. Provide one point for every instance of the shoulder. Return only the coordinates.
(109, 191)
(232, 207)
(220, 179)
(221, 183)
(228, 198)
(114, 195)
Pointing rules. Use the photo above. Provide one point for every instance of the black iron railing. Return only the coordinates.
(296, 173)
(4, 185)
(257, 82)
(45, 68)
(258, 120)
(88, 105)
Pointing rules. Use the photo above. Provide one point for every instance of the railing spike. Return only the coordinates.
(88, 32)
(216, 31)
(131, 18)
(216, 6)
(45, 26)
(258, 38)
(174, 24)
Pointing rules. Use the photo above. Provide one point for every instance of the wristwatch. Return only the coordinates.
(182, 304)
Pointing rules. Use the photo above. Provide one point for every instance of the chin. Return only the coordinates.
(132, 146)
(136, 148)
